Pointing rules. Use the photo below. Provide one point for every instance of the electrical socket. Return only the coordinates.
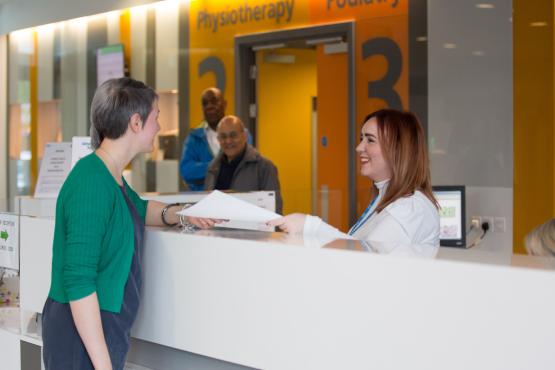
(476, 221)
(499, 224)
(489, 220)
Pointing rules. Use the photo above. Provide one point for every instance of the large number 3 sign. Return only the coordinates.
(384, 88)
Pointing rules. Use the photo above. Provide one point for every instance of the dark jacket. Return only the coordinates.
(196, 157)
(253, 173)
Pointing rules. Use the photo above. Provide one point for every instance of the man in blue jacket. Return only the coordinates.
(201, 145)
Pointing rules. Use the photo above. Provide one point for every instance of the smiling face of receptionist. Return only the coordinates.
(372, 161)
(232, 136)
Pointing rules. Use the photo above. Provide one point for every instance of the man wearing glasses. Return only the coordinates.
(239, 166)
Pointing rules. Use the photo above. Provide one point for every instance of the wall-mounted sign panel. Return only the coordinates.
(9, 241)
(109, 63)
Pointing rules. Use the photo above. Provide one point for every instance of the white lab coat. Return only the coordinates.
(410, 223)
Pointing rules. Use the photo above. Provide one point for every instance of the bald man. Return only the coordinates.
(202, 145)
(239, 166)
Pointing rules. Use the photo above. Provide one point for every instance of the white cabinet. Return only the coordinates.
(9, 350)
(36, 261)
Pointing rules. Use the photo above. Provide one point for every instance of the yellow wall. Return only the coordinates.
(534, 149)
(284, 93)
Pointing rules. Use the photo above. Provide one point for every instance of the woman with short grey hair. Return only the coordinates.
(96, 264)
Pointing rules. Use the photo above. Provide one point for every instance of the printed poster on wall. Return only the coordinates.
(109, 63)
(9, 241)
(54, 168)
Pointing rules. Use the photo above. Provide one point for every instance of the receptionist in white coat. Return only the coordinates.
(403, 212)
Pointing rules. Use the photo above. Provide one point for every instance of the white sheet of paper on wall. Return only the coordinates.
(54, 168)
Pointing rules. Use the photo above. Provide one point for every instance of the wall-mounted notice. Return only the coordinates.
(9, 241)
(109, 63)
(80, 147)
(54, 169)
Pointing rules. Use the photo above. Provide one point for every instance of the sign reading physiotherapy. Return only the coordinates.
(9, 241)
(278, 11)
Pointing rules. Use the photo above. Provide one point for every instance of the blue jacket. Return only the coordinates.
(195, 159)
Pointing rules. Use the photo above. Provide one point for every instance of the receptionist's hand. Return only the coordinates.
(204, 223)
(292, 224)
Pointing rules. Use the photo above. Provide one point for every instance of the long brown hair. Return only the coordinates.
(404, 149)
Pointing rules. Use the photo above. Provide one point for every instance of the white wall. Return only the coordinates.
(18, 14)
(73, 79)
(471, 105)
(167, 25)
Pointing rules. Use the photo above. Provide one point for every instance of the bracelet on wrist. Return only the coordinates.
(165, 210)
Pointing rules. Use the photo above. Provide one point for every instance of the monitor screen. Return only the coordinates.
(451, 215)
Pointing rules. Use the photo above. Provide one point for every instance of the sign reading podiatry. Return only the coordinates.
(54, 169)
(80, 147)
(9, 241)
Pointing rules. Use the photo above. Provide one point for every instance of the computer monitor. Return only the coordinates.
(452, 215)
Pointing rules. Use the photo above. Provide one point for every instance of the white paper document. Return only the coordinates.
(80, 147)
(54, 168)
(227, 207)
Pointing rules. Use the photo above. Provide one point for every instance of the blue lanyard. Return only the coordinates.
(365, 215)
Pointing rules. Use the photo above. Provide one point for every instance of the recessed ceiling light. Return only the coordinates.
(478, 53)
(538, 24)
(450, 45)
(485, 6)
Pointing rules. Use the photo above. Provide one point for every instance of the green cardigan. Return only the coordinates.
(93, 236)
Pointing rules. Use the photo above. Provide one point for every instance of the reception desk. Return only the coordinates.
(267, 301)
(231, 299)
(272, 301)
